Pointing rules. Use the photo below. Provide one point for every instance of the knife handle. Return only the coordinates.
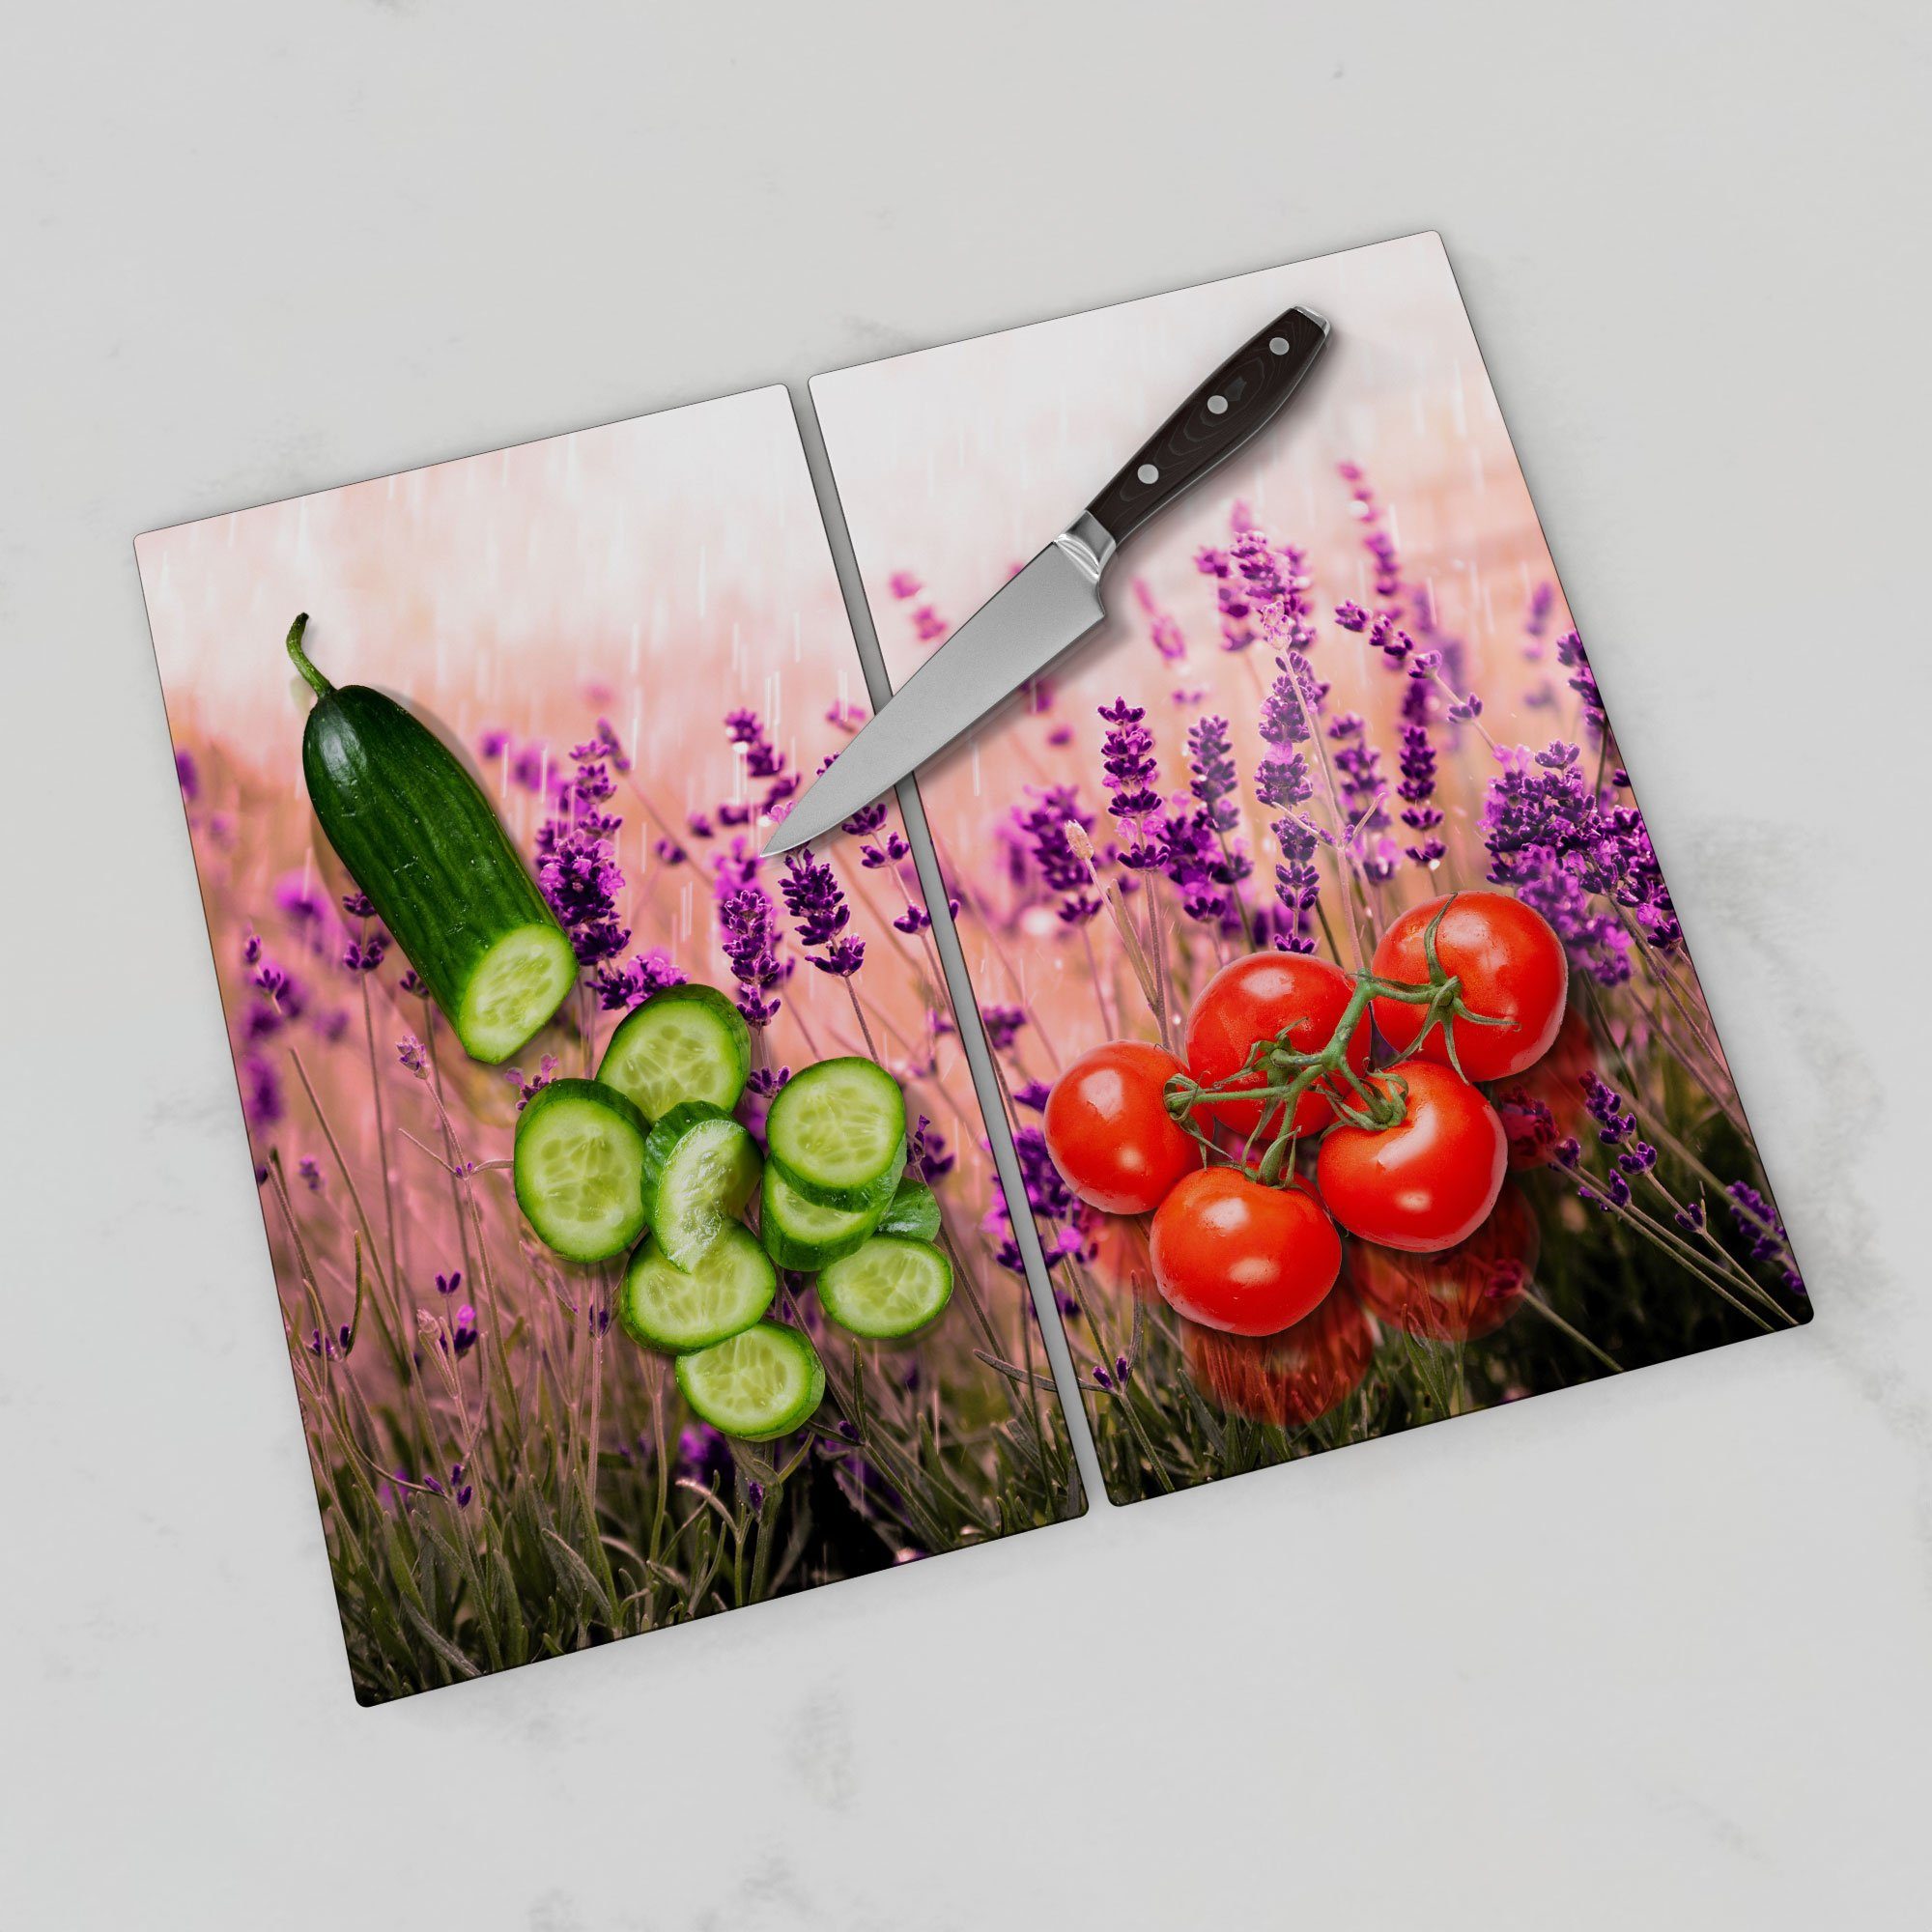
(1238, 401)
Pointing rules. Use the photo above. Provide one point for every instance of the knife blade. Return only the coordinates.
(1056, 600)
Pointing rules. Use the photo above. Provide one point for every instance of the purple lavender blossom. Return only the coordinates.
(261, 1093)
(187, 777)
(1558, 843)
(301, 904)
(529, 1090)
(630, 982)
(577, 870)
(1583, 682)
(1003, 1025)
(1163, 632)
(748, 932)
(1060, 1217)
(1764, 1232)
(366, 955)
(814, 898)
(704, 1456)
(1417, 792)
(1284, 783)
(926, 1154)
(763, 762)
(1049, 852)
(1542, 602)
(1131, 776)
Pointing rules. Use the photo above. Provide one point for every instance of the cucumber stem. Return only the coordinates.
(317, 682)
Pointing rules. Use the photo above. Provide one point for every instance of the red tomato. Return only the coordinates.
(1427, 1182)
(1109, 1131)
(1289, 1378)
(1511, 968)
(1544, 1102)
(1258, 997)
(1248, 1259)
(1460, 1292)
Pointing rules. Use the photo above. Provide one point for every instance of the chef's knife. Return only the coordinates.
(1056, 599)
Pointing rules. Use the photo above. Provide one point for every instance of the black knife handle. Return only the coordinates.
(1238, 401)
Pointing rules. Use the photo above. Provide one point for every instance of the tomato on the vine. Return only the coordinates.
(1545, 1103)
(1289, 1378)
(1109, 1131)
(1428, 1182)
(1259, 997)
(1234, 1255)
(1511, 966)
(1458, 1294)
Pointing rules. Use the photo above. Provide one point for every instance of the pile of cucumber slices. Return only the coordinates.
(649, 1158)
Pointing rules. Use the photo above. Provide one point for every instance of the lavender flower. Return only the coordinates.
(818, 906)
(748, 932)
(365, 955)
(1764, 1232)
(703, 1456)
(1583, 682)
(1558, 843)
(187, 777)
(301, 904)
(1163, 632)
(1417, 791)
(1061, 1218)
(261, 1093)
(529, 1090)
(762, 761)
(1210, 759)
(1046, 848)
(630, 981)
(926, 1154)
(1284, 783)
(1003, 1025)
(1131, 776)
(577, 870)
(1377, 541)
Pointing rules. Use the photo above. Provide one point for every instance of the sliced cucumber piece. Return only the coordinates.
(913, 1210)
(889, 1287)
(800, 1234)
(700, 1167)
(579, 1169)
(837, 1133)
(516, 986)
(683, 1043)
(664, 1306)
(762, 1382)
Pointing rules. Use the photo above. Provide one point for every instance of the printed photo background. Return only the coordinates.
(1382, 529)
(638, 624)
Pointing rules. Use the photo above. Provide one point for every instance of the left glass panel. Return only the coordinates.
(575, 1361)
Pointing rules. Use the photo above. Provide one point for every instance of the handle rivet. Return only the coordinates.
(1217, 406)
(1148, 473)
(1278, 344)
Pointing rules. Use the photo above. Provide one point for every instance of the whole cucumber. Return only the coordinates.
(420, 839)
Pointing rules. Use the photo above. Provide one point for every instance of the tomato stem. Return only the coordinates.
(1287, 1074)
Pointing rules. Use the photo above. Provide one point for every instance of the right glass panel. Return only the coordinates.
(1347, 1032)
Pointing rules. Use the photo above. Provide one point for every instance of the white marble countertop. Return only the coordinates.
(1657, 1649)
